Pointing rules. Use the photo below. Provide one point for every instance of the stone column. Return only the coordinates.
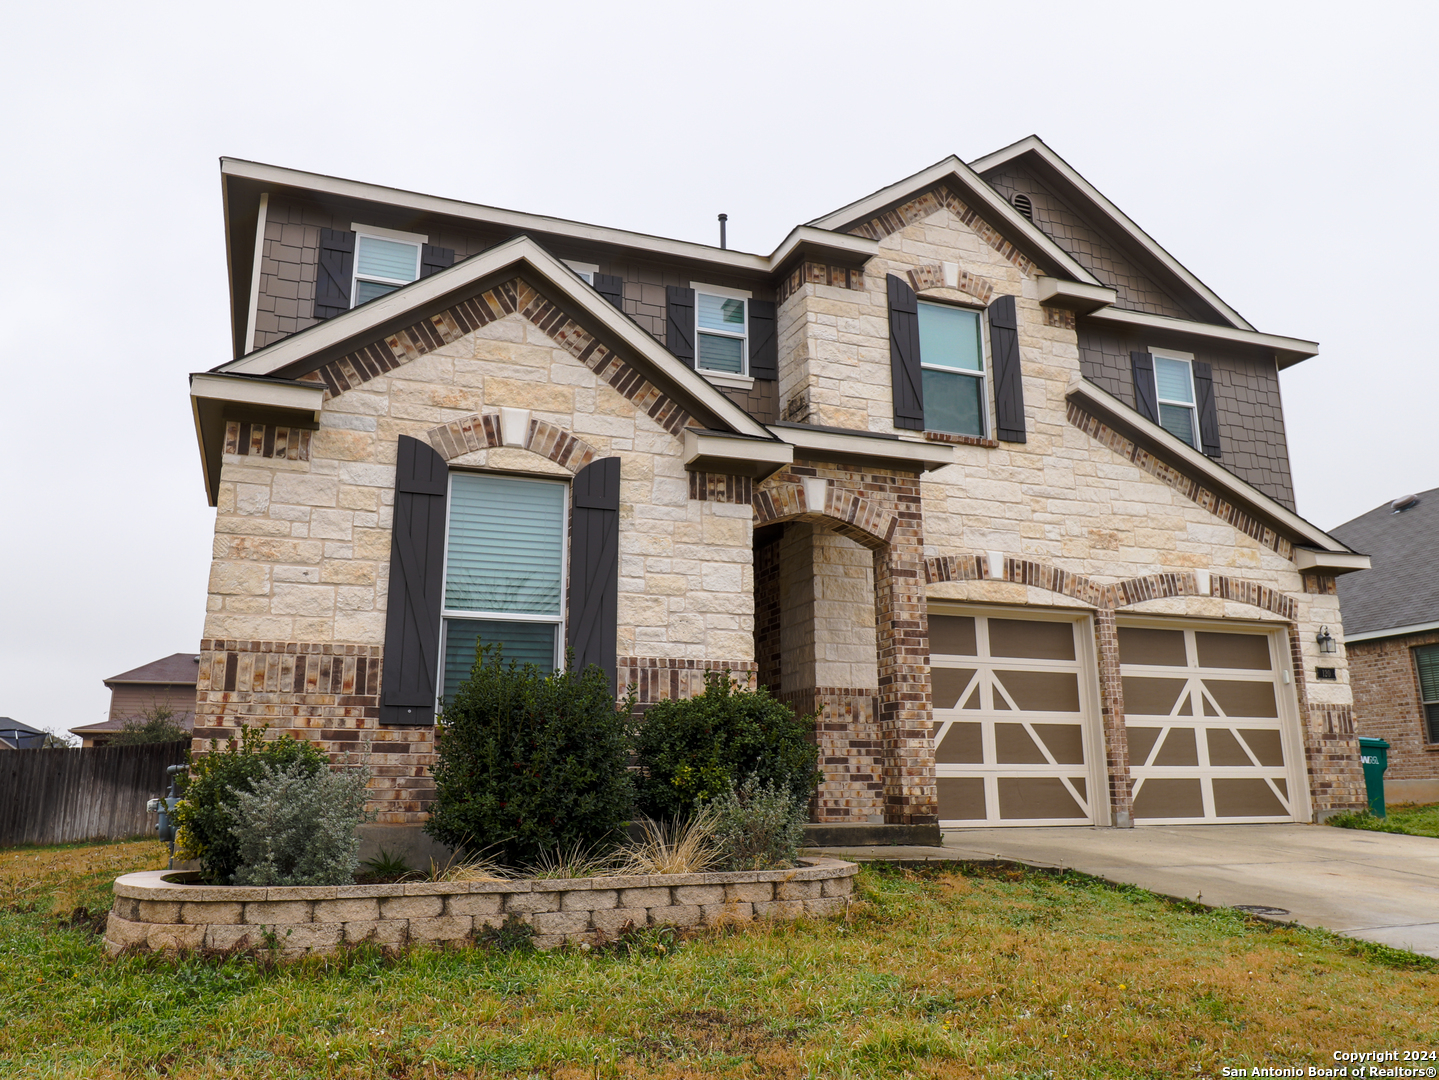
(1111, 704)
(905, 718)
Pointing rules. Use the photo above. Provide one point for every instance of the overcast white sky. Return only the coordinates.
(1284, 152)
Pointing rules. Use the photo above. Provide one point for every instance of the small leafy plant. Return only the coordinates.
(297, 827)
(384, 869)
(758, 826)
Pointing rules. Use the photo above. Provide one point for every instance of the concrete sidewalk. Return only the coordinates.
(1376, 886)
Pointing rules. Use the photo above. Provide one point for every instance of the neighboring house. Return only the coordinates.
(1391, 637)
(17, 736)
(972, 467)
(168, 682)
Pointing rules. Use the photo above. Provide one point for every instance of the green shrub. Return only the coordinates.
(297, 827)
(694, 750)
(529, 762)
(206, 815)
(759, 826)
(156, 724)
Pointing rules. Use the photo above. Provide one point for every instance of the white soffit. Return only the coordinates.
(1336, 562)
(1222, 478)
(1034, 144)
(971, 181)
(927, 455)
(357, 321)
(274, 394)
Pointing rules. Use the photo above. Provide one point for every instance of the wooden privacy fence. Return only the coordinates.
(99, 793)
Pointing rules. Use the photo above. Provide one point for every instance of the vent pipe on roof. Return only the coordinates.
(1404, 502)
(722, 219)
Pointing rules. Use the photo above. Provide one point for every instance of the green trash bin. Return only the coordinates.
(1374, 756)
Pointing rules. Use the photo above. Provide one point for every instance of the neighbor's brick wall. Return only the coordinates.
(1387, 703)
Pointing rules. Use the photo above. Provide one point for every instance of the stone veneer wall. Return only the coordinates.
(153, 914)
(1388, 706)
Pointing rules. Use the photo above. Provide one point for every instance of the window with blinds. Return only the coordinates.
(1174, 384)
(1426, 658)
(504, 571)
(723, 329)
(382, 266)
(951, 351)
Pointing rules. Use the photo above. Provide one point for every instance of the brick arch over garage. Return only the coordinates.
(880, 511)
(484, 431)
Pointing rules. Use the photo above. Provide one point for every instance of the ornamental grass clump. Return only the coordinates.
(297, 827)
(530, 762)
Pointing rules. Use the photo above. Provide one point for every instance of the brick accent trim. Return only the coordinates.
(509, 298)
(941, 198)
(659, 678)
(851, 751)
(1111, 706)
(931, 276)
(267, 440)
(721, 488)
(813, 273)
(1120, 594)
(1173, 478)
(846, 511)
(1319, 584)
(960, 440)
(1331, 747)
(1060, 317)
(481, 431)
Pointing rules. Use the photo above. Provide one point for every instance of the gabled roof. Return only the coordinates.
(1077, 186)
(180, 667)
(989, 203)
(1401, 593)
(18, 736)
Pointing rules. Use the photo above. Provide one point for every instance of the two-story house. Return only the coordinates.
(972, 467)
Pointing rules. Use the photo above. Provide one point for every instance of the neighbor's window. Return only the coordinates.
(1426, 658)
(721, 326)
(1174, 381)
(951, 351)
(504, 571)
(382, 266)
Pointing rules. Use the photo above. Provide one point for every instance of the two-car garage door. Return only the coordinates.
(1018, 739)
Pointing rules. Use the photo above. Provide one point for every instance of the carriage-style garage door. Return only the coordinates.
(1208, 719)
(1014, 720)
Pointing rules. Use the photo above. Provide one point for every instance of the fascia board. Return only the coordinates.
(971, 182)
(1394, 631)
(1222, 479)
(859, 446)
(1075, 295)
(1336, 562)
(1033, 144)
(843, 245)
(520, 250)
(272, 393)
(744, 457)
(1290, 351)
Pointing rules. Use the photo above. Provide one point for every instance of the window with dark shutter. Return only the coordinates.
(334, 273)
(417, 564)
(434, 259)
(612, 288)
(1008, 380)
(763, 342)
(906, 377)
(1208, 414)
(1146, 397)
(594, 565)
(680, 323)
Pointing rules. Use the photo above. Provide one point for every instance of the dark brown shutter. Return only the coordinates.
(1208, 414)
(906, 380)
(335, 272)
(612, 288)
(763, 343)
(417, 563)
(1008, 378)
(1146, 396)
(680, 323)
(434, 259)
(594, 606)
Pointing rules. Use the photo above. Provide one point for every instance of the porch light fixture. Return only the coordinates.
(1327, 644)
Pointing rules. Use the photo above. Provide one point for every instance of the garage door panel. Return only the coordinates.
(1169, 797)
(1178, 748)
(1266, 744)
(1141, 742)
(1232, 650)
(1151, 647)
(1246, 797)
(1152, 697)
(1236, 699)
(1225, 748)
(1012, 730)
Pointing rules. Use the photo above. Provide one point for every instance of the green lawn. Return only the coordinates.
(1413, 819)
(950, 972)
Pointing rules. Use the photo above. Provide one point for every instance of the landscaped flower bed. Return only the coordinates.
(156, 914)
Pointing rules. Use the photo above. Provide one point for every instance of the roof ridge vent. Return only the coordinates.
(1024, 206)
(1404, 502)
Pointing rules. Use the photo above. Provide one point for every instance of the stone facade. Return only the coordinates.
(1387, 705)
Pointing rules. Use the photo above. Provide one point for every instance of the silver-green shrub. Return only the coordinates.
(298, 828)
(758, 826)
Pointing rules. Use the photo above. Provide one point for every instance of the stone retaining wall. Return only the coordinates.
(153, 914)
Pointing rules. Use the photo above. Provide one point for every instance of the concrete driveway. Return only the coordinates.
(1375, 886)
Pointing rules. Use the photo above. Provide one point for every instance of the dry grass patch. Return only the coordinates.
(949, 971)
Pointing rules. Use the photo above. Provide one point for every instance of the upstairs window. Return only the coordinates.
(1426, 658)
(1174, 386)
(504, 572)
(722, 318)
(382, 265)
(951, 350)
